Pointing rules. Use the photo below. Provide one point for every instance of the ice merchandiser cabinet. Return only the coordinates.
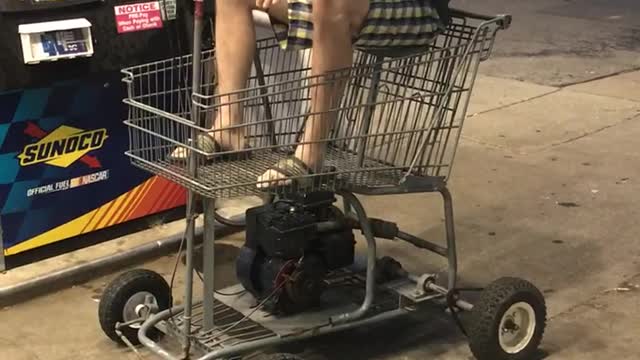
(63, 172)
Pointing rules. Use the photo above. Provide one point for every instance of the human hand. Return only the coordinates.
(266, 4)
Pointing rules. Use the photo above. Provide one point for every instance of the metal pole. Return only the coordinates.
(422, 243)
(371, 262)
(462, 304)
(191, 201)
(257, 62)
(188, 292)
(3, 265)
(368, 112)
(347, 207)
(451, 238)
(208, 262)
(250, 346)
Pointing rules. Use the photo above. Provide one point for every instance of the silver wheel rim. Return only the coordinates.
(517, 327)
(140, 305)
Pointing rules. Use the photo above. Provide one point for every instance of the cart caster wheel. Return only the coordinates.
(508, 321)
(133, 295)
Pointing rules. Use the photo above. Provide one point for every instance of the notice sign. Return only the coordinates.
(138, 17)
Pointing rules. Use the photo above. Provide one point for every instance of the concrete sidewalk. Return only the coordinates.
(545, 187)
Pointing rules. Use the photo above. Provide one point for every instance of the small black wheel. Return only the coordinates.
(508, 321)
(135, 294)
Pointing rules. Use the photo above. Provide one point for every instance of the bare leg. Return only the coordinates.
(335, 21)
(234, 56)
(235, 47)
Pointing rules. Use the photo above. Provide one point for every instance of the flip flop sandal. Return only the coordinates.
(295, 171)
(207, 143)
(292, 168)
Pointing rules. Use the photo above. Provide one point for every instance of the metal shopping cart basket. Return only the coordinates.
(395, 130)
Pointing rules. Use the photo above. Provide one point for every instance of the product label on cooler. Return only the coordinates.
(138, 17)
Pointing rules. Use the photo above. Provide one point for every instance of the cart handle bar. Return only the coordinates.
(504, 21)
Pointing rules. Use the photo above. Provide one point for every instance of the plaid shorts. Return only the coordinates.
(389, 24)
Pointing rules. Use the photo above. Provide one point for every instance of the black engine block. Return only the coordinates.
(290, 247)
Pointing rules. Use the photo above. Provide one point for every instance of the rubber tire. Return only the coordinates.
(487, 313)
(117, 294)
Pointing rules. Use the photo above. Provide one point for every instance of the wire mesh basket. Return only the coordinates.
(398, 115)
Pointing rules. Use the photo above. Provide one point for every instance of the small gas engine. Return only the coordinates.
(291, 245)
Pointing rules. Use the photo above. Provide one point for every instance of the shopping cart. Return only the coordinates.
(396, 129)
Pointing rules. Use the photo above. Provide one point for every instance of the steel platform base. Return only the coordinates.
(238, 324)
